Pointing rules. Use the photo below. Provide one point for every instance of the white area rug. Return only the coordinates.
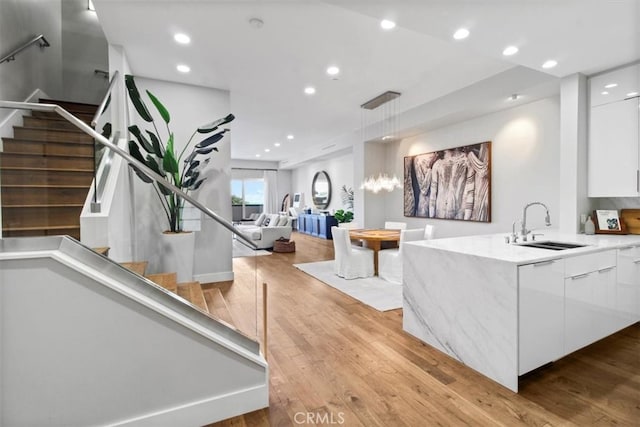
(240, 250)
(372, 291)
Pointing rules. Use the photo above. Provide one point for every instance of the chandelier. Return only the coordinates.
(382, 182)
(379, 118)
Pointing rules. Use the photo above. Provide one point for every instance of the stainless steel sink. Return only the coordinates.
(554, 246)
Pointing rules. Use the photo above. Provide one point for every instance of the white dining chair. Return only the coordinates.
(429, 232)
(390, 260)
(351, 262)
(392, 225)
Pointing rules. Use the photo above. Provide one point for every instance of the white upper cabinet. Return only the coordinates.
(614, 134)
(615, 85)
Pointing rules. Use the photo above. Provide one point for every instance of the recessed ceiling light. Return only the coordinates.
(461, 33)
(604, 92)
(277, 144)
(309, 90)
(632, 94)
(610, 85)
(257, 155)
(387, 24)
(333, 70)
(289, 136)
(266, 150)
(513, 97)
(256, 23)
(510, 50)
(182, 38)
(183, 68)
(550, 63)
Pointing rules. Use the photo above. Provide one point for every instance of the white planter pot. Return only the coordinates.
(177, 254)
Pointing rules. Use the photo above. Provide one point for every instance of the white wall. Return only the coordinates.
(20, 21)
(84, 49)
(525, 166)
(340, 171)
(190, 107)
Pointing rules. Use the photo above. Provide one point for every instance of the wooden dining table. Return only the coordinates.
(374, 239)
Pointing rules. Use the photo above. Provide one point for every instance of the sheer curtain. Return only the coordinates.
(271, 204)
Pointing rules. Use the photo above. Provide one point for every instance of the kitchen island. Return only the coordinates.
(505, 309)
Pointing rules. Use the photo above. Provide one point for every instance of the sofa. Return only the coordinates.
(265, 230)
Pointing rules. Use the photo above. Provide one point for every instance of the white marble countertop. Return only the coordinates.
(493, 246)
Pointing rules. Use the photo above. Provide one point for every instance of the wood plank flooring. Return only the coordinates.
(335, 361)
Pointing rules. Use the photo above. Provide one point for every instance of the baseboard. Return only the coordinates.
(206, 411)
(15, 117)
(225, 276)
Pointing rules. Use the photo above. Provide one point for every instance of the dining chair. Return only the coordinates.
(391, 225)
(351, 262)
(429, 232)
(390, 260)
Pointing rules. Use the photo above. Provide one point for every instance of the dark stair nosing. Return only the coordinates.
(55, 101)
(66, 205)
(27, 168)
(43, 186)
(76, 131)
(37, 141)
(71, 156)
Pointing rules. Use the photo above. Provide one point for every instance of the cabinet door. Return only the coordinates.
(580, 311)
(613, 150)
(607, 320)
(540, 314)
(628, 284)
(615, 85)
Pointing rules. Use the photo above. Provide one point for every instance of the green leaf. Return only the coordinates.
(106, 130)
(191, 180)
(191, 157)
(198, 184)
(192, 168)
(206, 150)
(153, 165)
(161, 108)
(169, 162)
(141, 175)
(134, 96)
(210, 127)
(212, 139)
(141, 139)
(157, 145)
(135, 151)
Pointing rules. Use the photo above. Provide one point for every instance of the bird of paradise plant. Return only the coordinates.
(162, 159)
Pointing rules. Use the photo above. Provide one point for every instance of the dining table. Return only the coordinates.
(374, 238)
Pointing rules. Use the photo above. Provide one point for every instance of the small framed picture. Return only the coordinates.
(608, 221)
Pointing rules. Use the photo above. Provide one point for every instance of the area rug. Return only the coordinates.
(240, 250)
(372, 291)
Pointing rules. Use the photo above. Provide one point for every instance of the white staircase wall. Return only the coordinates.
(77, 350)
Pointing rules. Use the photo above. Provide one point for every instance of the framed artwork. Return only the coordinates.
(608, 222)
(449, 184)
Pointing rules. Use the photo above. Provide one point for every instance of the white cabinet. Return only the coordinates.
(613, 161)
(590, 293)
(628, 284)
(540, 314)
(613, 156)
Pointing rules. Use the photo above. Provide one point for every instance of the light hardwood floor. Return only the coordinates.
(335, 361)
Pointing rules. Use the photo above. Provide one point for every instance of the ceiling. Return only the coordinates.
(266, 69)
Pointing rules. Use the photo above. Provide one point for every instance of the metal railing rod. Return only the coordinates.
(103, 104)
(130, 159)
(12, 56)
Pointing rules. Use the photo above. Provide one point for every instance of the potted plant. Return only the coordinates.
(181, 169)
(343, 216)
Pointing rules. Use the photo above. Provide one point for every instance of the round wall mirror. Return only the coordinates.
(321, 190)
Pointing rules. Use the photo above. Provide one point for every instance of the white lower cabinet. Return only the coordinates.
(541, 314)
(628, 284)
(579, 311)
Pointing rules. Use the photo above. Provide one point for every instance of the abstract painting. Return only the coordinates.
(449, 184)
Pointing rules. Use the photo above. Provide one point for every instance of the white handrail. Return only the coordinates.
(129, 158)
(12, 56)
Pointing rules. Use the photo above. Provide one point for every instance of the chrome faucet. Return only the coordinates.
(547, 219)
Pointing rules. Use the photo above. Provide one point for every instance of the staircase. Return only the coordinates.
(46, 170)
(210, 301)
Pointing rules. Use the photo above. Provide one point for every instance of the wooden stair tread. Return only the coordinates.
(65, 205)
(61, 101)
(71, 156)
(169, 281)
(137, 267)
(76, 130)
(37, 141)
(23, 168)
(102, 250)
(48, 227)
(218, 307)
(42, 186)
(192, 292)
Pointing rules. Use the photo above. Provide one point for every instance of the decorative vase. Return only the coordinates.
(177, 254)
(589, 226)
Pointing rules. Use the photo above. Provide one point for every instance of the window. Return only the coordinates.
(247, 197)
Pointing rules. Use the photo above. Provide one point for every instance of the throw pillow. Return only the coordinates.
(283, 221)
(266, 221)
(273, 220)
(260, 219)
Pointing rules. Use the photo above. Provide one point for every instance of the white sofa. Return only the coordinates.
(268, 228)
